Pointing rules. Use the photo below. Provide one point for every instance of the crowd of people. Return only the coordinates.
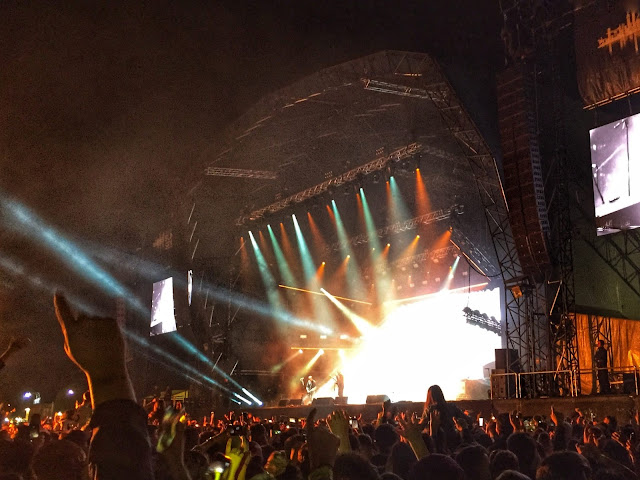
(114, 437)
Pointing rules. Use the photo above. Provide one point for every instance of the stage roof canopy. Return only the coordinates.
(327, 124)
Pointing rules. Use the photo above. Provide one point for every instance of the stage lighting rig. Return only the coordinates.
(482, 320)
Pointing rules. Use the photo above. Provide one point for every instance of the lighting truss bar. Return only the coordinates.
(482, 320)
(473, 254)
(403, 226)
(395, 89)
(438, 253)
(240, 173)
(370, 167)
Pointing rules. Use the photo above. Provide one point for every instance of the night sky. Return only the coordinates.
(109, 112)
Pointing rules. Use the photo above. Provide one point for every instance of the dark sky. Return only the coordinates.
(109, 111)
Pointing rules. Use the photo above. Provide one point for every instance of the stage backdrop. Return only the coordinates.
(624, 349)
(607, 43)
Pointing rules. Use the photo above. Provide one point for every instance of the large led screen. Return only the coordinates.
(615, 167)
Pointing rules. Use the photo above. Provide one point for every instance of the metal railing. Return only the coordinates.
(616, 376)
(545, 381)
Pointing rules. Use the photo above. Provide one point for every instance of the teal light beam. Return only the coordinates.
(383, 285)
(283, 265)
(399, 209)
(305, 255)
(320, 310)
(354, 282)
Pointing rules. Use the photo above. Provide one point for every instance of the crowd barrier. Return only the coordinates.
(558, 382)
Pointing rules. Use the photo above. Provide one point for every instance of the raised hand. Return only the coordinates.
(237, 450)
(96, 346)
(411, 430)
(516, 422)
(339, 425)
(460, 423)
(434, 421)
(323, 445)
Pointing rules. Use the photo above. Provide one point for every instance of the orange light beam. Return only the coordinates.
(318, 240)
(423, 204)
(286, 246)
(320, 293)
(319, 274)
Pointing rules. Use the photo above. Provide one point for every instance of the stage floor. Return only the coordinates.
(621, 406)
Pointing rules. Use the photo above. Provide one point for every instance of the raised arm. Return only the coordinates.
(120, 445)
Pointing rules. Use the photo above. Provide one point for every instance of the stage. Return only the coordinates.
(621, 406)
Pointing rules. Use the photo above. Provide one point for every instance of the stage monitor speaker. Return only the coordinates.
(507, 359)
(503, 386)
(341, 400)
(283, 402)
(322, 401)
(376, 399)
(629, 383)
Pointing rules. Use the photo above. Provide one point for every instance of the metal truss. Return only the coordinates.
(526, 324)
(240, 173)
(403, 226)
(375, 165)
(562, 312)
(482, 320)
(621, 251)
(525, 317)
(473, 254)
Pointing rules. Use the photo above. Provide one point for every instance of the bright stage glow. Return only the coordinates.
(418, 345)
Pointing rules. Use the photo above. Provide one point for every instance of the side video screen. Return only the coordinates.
(163, 319)
(615, 165)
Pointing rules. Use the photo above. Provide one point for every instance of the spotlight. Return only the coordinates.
(70, 392)
(27, 395)
(300, 352)
(388, 244)
(321, 352)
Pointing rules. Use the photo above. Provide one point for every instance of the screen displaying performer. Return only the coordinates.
(163, 318)
(616, 176)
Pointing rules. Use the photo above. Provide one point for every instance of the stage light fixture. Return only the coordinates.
(300, 352)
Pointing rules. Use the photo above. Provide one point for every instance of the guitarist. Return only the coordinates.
(310, 387)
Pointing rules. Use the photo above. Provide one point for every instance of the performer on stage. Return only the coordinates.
(601, 358)
(310, 387)
(339, 379)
